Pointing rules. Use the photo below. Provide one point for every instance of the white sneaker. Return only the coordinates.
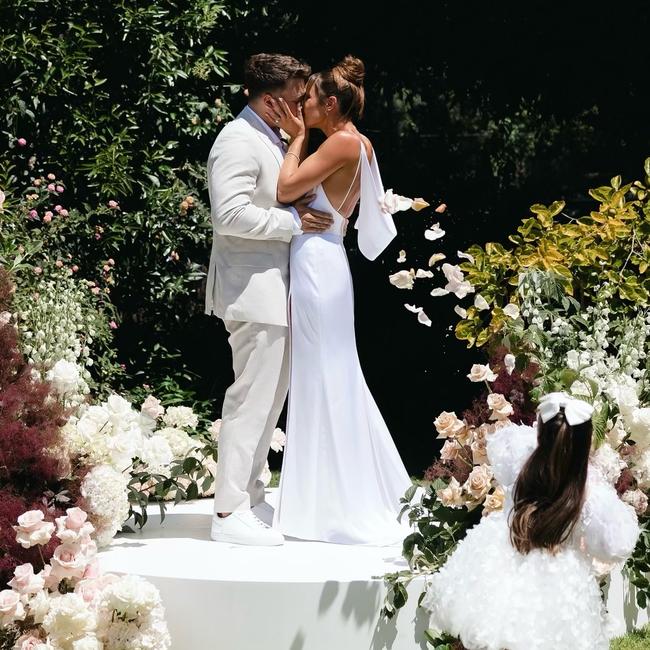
(243, 527)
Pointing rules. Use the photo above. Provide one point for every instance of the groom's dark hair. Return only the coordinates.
(264, 73)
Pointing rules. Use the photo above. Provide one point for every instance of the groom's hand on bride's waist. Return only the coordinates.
(311, 219)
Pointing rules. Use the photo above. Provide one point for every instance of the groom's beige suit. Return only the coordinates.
(247, 287)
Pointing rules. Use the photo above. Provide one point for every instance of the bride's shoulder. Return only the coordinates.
(343, 144)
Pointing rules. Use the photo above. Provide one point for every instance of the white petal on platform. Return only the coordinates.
(402, 257)
(460, 311)
(436, 257)
(439, 291)
(423, 274)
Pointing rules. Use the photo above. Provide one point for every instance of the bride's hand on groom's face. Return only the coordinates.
(312, 220)
(281, 115)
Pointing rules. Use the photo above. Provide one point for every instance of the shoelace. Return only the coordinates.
(259, 521)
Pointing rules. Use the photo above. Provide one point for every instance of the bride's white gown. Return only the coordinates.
(342, 475)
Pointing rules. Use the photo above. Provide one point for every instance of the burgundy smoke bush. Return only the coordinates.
(458, 468)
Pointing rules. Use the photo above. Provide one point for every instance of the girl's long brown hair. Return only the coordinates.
(550, 489)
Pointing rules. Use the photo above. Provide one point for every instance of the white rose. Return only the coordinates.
(637, 499)
(38, 606)
(639, 424)
(402, 279)
(119, 406)
(501, 407)
(180, 417)
(279, 440)
(131, 597)
(452, 495)
(480, 372)
(625, 397)
(152, 407)
(509, 363)
(448, 425)
(156, 453)
(122, 448)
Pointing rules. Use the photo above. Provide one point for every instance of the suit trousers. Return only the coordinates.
(251, 408)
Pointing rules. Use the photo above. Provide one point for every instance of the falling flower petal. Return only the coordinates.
(421, 273)
(435, 232)
(439, 291)
(436, 257)
(511, 310)
(460, 311)
(413, 308)
(441, 208)
(419, 204)
(465, 256)
(424, 319)
(402, 257)
(402, 279)
(394, 202)
(509, 363)
(480, 302)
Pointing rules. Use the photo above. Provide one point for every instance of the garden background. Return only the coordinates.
(488, 108)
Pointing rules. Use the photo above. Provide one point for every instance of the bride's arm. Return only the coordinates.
(296, 177)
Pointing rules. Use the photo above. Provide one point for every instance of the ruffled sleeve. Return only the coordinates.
(608, 527)
(508, 449)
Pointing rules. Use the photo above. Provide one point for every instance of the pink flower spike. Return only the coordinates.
(38, 270)
(64, 212)
(112, 204)
(106, 268)
(111, 261)
(58, 208)
(37, 182)
(51, 187)
(60, 188)
(33, 214)
(113, 325)
(97, 236)
(59, 263)
(51, 176)
(47, 218)
(75, 268)
(49, 214)
(22, 142)
(95, 290)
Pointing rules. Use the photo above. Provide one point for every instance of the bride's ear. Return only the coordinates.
(331, 104)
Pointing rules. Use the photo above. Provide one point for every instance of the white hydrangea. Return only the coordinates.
(68, 619)
(180, 417)
(179, 442)
(156, 454)
(608, 461)
(107, 501)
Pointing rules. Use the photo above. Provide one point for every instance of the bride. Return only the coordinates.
(342, 476)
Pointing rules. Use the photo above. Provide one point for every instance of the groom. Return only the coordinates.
(247, 287)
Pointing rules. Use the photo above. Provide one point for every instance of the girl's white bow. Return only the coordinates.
(575, 410)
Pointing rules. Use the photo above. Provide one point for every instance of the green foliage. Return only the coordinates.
(123, 100)
(638, 566)
(610, 244)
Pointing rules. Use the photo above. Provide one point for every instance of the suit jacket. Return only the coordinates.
(248, 276)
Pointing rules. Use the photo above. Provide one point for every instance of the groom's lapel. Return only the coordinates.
(273, 148)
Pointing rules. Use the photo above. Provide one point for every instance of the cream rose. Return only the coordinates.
(479, 482)
(452, 495)
(25, 581)
(448, 425)
(11, 607)
(479, 451)
(494, 502)
(501, 407)
(480, 372)
(32, 530)
(450, 450)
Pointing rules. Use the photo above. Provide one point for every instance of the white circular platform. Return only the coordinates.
(299, 596)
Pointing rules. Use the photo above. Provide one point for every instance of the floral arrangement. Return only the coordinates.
(69, 604)
(565, 309)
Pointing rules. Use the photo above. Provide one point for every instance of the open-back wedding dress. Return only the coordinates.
(342, 475)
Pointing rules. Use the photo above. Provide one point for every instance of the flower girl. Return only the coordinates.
(523, 579)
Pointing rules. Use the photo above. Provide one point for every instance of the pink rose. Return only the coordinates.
(75, 519)
(49, 214)
(25, 581)
(33, 214)
(112, 204)
(59, 188)
(51, 581)
(113, 325)
(88, 589)
(37, 182)
(75, 268)
(47, 218)
(58, 208)
(51, 176)
(73, 528)
(92, 569)
(31, 529)
(64, 212)
(69, 561)
(111, 261)
(97, 236)
(51, 187)
(11, 608)
(38, 270)
(59, 264)
(22, 142)
(152, 407)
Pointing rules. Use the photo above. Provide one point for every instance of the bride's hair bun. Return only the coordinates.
(351, 69)
(345, 82)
